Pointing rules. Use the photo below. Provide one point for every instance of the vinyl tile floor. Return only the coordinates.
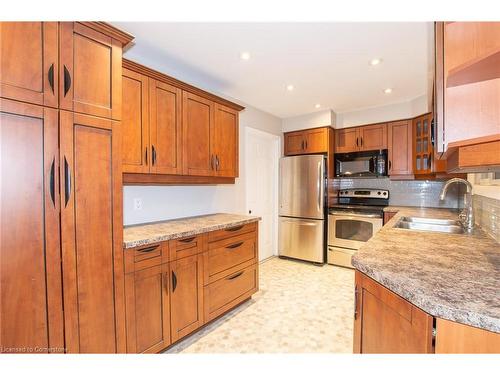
(300, 308)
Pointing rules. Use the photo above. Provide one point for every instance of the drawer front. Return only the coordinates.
(225, 254)
(139, 258)
(229, 291)
(187, 246)
(231, 232)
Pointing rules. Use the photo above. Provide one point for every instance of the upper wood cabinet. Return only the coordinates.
(165, 128)
(400, 149)
(309, 141)
(364, 138)
(467, 82)
(29, 62)
(136, 153)
(30, 264)
(422, 145)
(386, 323)
(175, 133)
(90, 71)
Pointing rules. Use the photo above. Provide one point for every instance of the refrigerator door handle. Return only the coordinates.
(320, 180)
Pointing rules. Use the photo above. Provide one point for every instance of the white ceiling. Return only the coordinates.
(328, 63)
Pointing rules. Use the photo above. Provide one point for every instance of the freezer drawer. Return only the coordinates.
(302, 186)
(301, 239)
(340, 256)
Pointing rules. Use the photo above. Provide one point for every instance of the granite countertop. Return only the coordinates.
(143, 234)
(450, 276)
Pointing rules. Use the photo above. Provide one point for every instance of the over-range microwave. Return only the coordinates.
(361, 164)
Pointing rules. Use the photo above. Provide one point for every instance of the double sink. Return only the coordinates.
(430, 225)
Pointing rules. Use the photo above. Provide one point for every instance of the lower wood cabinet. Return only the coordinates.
(148, 309)
(186, 288)
(387, 323)
(173, 288)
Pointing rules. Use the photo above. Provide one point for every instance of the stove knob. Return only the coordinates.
(385, 192)
(378, 193)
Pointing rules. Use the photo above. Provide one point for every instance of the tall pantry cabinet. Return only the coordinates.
(62, 287)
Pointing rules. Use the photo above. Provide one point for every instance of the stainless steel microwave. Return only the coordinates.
(361, 164)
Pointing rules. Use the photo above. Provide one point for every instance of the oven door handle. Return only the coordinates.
(347, 215)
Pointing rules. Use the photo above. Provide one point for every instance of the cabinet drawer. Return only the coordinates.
(223, 255)
(139, 258)
(232, 231)
(229, 291)
(187, 246)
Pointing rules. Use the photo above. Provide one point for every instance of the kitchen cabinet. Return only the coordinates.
(165, 128)
(400, 149)
(422, 145)
(309, 141)
(136, 151)
(186, 295)
(363, 138)
(29, 62)
(175, 133)
(388, 216)
(386, 323)
(467, 89)
(71, 204)
(90, 71)
(91, 232)
(148, 309)
(31, 303)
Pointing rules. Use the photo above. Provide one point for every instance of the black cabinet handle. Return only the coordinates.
(153, 156)
(356, 292)
(234, 245)
(187, 240)
(430, 158)
(148, 249)
(174, 281)
(52, 182)
(303, 145)
(67, 182)
(217, 162)
(390, 165)
(357, 142)
(235, 276)
(146, 156)
(234, 229)
(51, 77)
(361, 140)
(306, 145)
(67, 80)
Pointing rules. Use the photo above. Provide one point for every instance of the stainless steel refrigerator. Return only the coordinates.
(302, 207)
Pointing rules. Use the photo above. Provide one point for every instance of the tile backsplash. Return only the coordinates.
(487, 212)
(408, 193)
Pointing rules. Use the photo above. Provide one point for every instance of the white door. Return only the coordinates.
(262, 151)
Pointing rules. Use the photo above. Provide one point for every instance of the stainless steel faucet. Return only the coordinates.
(467, 215)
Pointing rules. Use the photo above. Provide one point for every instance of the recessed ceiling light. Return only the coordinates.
(317, 106)
(375, 61)
(388, 90)
(245, 55)
(290, 87)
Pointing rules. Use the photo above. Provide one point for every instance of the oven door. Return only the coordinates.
(352, 230)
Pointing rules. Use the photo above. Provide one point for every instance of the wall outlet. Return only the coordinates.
(137, 204)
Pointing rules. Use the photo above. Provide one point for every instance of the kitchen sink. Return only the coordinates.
(430, 225)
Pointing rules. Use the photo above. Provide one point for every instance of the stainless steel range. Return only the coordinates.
(353, 221)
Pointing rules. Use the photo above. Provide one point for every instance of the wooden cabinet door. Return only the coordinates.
(225, 141)
(316, 140)
(186, 295)
(165, 128)
(386, 323)
(400, 148)
(373, 137)
(91, 225)
(197, 126)
(294, 143)
(136, 154)
(422, 144)
(29, 62)
(30, 302)
(148, 309)
(90, 79)
(347, 140)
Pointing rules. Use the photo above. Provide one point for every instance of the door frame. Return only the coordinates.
(277, 154)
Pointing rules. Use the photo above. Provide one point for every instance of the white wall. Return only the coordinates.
(169, 202)
(310, 120)
(395, 111)
(492, 191)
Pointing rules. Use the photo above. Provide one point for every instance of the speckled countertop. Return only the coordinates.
(450, 276)
(143, 234)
